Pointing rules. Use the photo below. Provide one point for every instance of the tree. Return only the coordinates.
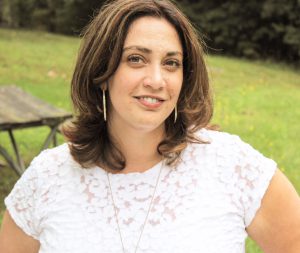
(255, 29)
(63, 16)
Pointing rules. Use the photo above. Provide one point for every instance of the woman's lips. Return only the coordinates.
(150, 102)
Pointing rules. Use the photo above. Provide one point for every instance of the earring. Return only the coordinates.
(104, 103)
(175, 116)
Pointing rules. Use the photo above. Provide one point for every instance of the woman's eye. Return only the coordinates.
(173, 63)
(135, 59)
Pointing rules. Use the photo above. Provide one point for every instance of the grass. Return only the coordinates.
(259, 101)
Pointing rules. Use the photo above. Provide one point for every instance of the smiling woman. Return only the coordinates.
(148, 75)
(142, 171)
(145, 88)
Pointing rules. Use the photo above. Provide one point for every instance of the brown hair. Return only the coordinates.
(98, 59)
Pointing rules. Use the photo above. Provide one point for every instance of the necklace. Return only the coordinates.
(144, 224)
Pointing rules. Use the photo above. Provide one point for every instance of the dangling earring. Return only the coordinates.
(104, 103)
(175, 116)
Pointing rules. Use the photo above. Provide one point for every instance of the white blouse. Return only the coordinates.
(203, 205)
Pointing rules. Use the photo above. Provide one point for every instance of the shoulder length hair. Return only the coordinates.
(98, 59)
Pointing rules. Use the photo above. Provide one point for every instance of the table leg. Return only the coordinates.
(16, 150)
(10, 161)
(50, 137)
(55, 140)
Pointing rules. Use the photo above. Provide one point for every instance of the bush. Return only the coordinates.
(62, 16)
(254, 29)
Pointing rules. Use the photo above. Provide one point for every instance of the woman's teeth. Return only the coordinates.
(150, 100)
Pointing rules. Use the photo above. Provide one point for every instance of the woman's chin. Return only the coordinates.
(149, 126)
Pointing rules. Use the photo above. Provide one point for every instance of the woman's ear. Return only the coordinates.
(104, 86)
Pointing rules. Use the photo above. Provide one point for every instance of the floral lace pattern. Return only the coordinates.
(202, 205)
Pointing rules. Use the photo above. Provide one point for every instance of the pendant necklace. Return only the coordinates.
(148, 212)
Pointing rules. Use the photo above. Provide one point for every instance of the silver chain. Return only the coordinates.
(148, 212)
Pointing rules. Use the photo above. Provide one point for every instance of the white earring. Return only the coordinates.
(175, 111)
(104, 103)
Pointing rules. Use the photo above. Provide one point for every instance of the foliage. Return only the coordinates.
(253, 29)
(62, 16)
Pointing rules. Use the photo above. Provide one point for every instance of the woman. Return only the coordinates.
(140, 172)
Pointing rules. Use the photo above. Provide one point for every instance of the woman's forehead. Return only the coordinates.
(153, 33)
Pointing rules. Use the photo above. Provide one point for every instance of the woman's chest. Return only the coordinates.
(184, 216)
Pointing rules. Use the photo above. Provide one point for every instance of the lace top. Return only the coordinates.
(202, 205)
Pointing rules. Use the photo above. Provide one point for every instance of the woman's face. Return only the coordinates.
(146, 85)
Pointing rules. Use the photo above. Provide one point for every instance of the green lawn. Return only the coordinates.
(258, 101)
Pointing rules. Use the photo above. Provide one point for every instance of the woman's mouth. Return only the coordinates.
(150, 102)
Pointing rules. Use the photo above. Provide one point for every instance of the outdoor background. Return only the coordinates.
(253, 61)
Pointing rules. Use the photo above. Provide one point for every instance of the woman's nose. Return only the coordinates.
(155, 77)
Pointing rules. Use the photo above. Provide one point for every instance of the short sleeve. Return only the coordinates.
(255, 172)
(21, 203)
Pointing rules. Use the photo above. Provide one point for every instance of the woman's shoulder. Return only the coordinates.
(227, 147)
(213, 138)
(52, 161)
(215, 135)
(51, 168)
(240, 170)
(53, 155)
(38, 187)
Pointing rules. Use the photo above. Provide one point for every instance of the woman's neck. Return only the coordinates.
(138, 147)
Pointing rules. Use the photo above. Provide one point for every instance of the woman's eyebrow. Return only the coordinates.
(139, 48)
(149, 51)
(174, 53)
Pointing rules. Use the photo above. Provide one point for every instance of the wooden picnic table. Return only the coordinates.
(19, 110)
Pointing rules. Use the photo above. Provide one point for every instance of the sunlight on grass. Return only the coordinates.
(260, 102)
